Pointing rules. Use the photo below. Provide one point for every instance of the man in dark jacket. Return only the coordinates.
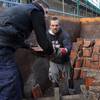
(16, 24)
(60, 63)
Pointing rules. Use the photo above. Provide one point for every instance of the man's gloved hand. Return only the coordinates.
(60, 51)
(63, 51)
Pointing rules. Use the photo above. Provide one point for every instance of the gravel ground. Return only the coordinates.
(50, 91)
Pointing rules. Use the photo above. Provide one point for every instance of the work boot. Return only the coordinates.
(71, 91)
(36, 91)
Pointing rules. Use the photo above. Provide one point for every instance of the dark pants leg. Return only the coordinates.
(10, 83)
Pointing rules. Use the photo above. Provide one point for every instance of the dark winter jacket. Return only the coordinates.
(16, 24)
(61, 40)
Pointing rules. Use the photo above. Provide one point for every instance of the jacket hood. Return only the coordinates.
(38, 6)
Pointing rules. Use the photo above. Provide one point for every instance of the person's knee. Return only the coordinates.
(53, 77)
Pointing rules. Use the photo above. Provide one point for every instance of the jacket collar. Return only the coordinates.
(50, 32)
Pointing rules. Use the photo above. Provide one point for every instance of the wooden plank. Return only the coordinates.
(67, 97)
(56, 93)
(46, 98)
(72, 97)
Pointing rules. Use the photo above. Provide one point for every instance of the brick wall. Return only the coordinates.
(90, 27)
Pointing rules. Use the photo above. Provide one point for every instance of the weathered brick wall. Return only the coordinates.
(72, 27)
(85, 58)
(90, 27)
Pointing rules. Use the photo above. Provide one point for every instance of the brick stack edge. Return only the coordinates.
(89, 59)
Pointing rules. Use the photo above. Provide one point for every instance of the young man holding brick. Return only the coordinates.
(60, 63)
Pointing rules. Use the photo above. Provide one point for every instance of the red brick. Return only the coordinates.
(95, 65)
(86, 43)
(87, 62)
(79, 62)
(77, 71)
(73, 54)
(80, 41)
(99, 61)
(87, 52)
(83, 74)
(96, 49)
(89, 81)
(95, 57)
(97, 42)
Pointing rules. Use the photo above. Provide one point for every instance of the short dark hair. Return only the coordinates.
(42, 2)
(54, 18)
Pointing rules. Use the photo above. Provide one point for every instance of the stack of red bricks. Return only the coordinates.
(85, 54)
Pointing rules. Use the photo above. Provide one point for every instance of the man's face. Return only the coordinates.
(54, 26)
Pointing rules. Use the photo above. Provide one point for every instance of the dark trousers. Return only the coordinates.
(10, 83)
